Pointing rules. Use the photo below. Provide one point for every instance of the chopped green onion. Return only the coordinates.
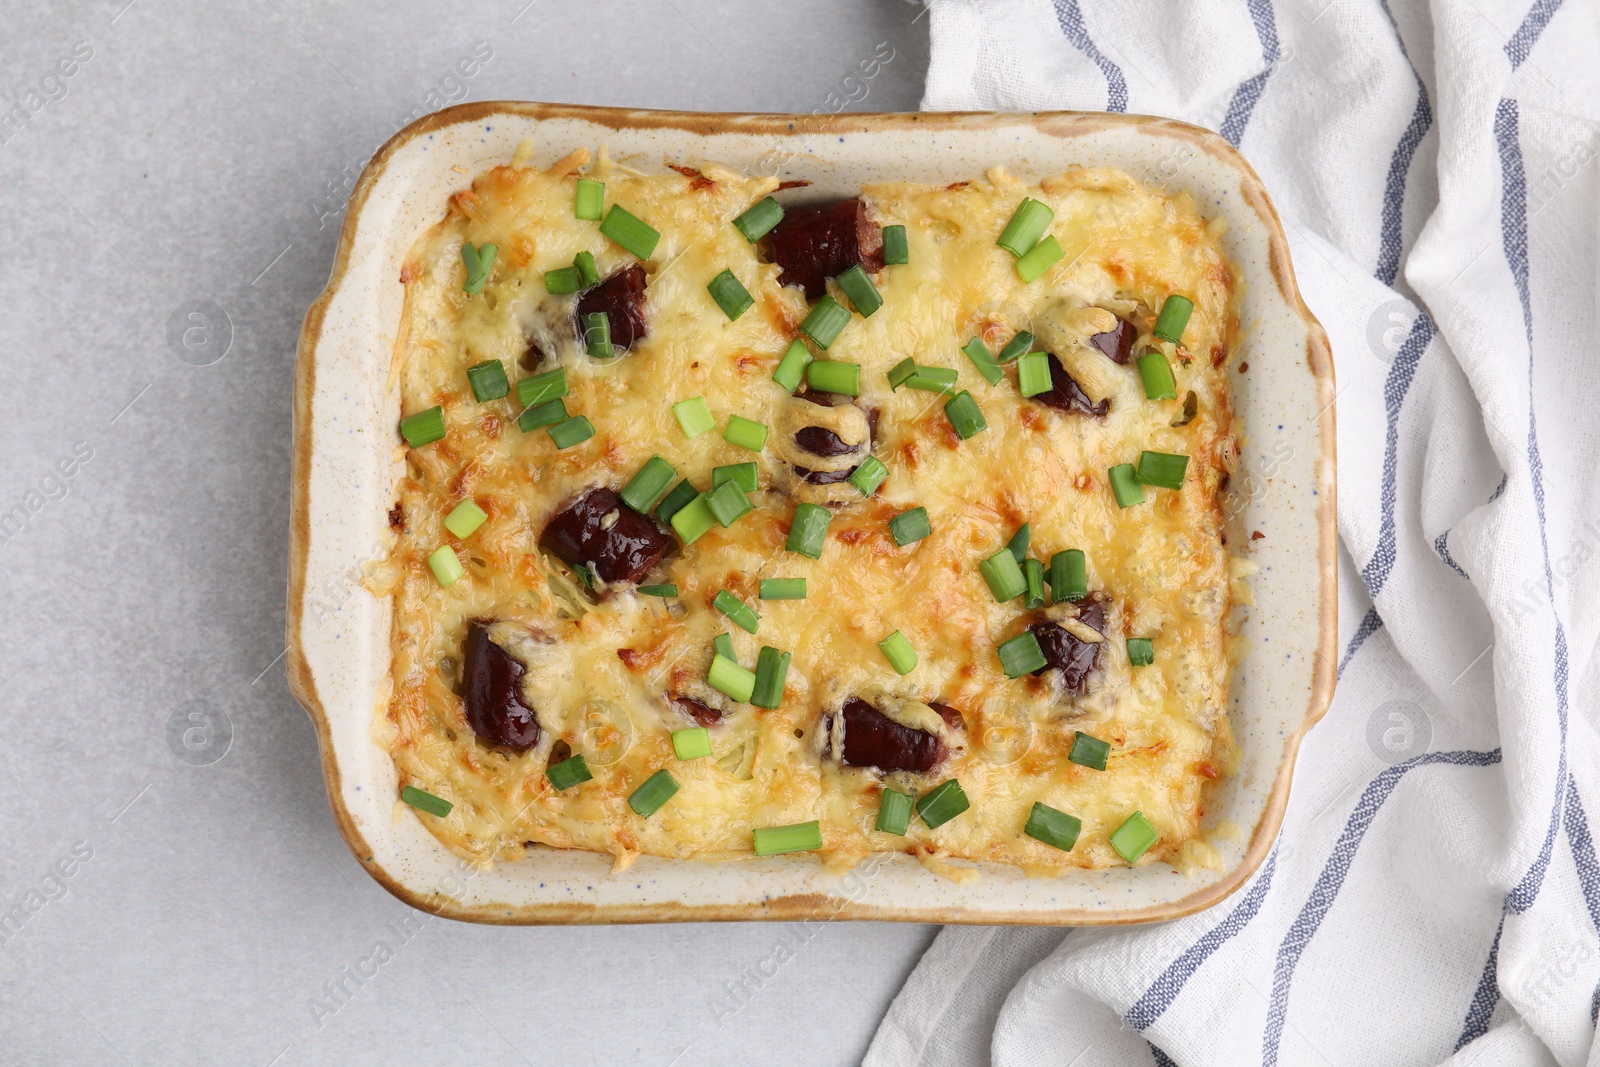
(423, 800)
(731, 296)
(1019, 345)
(910, 526)
(646, 488)
(965, 415)
(776, 840)
(1125, 485)
(597, 335)
(1134, 837)
(568, 773)
(584, 263)
(830, 376)
(898, 651)
(1141, 651)
(674, 501)
(693, 743)
(859, 288)
(894, 813)
(722, 645)
(730, 679)
(901, 371)
(1162, 469)
(894, 246)
(574, 431)
(423, 428)
(657, 590)
(590, 199)
(1175, 312)
(930, 379)
(978, 353)
(728, 503)
(738, 612)
(464, 519)
(825, 321)
(792, 367)
(542, 388)
(488, 380)
(563, 280)
(479, 264)
(1033, 574)
(629, 231)
(446, 567)
(772, 670)
(1156, 374)
(1033, 374)
(1040, 258)
(539, 415)
(585, 575)
(868, 475)
(1004, 575)
(1018, 545)
(746, 433)
(782, 589)
(693, 416)
(942, 803)
(1088, 751)
(693, 519)
(1021, 655)
(656, 790)
(741, 474)
(1069, 575)
(1055, 828)
(809, 530)
(759, 219)
(1027, 225)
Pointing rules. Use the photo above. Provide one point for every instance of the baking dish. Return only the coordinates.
(346, 463)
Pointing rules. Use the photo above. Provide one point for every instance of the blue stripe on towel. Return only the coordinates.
(1070, 19)
(1245, 97)
(1527, 34)
(1395, 387)
(1485, 997)
(1583, 858)
(1394, 190)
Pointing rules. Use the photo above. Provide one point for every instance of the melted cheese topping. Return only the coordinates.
(599, 668)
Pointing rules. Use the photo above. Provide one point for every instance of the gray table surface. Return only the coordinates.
(173, 889)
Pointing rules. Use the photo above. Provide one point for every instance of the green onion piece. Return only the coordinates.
(470, 260)
(1033, 374)
(1040, 258)
(1175, 312)
(901, 371)
(1089, 751)
(722, 645)
(1004, 575)
(1033, 574)
(629, 231)
(693, 416)
(1055, 828)
(741, 474)
(1162, 469)
(478, 264)
(910, 526)
(863, 295)
(965, 415)
(942, 803)
(1156, 374)
(738, 612)
(1027, 225)
(568, 773)
(446, 567)
(488, 380)
(1069, 575)
(894, 246)
(1019, 345)
(898, 651)
(1021, 655)
(646, 488)
(539, 415)
(423, 800)
(776, 840)
(746, 433)
(542, 388)
(1018, 545)
(932, 379)
(1125, 485)
(464, 519)
(656, 790)
(825, 321)
(978, 353)
(423, 428)
(793, 365)
(693, 519)
(1134, 837)
(772, 670)
(574, 431)
(590, 199)
(693, 743)
(731, 296)
(782, 589)
(584, 264)
(728, 503)
(759, 219)
(674, 501)
(868, 475)
(809, 530)
(1141, 651)
(563, 280)
(597, 335)
(585, 575)
(730, 679)
(894, 813)
(657, 590)
(830, 376)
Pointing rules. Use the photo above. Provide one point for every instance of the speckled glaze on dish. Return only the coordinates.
(347, 459)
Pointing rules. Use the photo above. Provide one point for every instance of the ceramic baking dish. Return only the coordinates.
(346, 464)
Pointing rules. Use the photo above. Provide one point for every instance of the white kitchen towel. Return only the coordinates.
(1434, 894)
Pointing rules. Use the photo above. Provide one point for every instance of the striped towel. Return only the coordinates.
(1434, 894)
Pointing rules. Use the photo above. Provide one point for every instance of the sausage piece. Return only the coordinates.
(491, 686)
(1065, 395)
(621, 299)
(599, 531)
(820, 241)
(1116, 343)
(701, 714)
(1077, 660)
(872, 739)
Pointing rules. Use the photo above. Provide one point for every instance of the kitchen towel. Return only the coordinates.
(1434, 894)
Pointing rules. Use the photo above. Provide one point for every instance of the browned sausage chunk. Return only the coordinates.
(619, 549)
(1064, 394)
(1116, 343)
(1078, 661)
(621, 298)
(701, 714)
(872, 739)
(820, 241)
(491, 686)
